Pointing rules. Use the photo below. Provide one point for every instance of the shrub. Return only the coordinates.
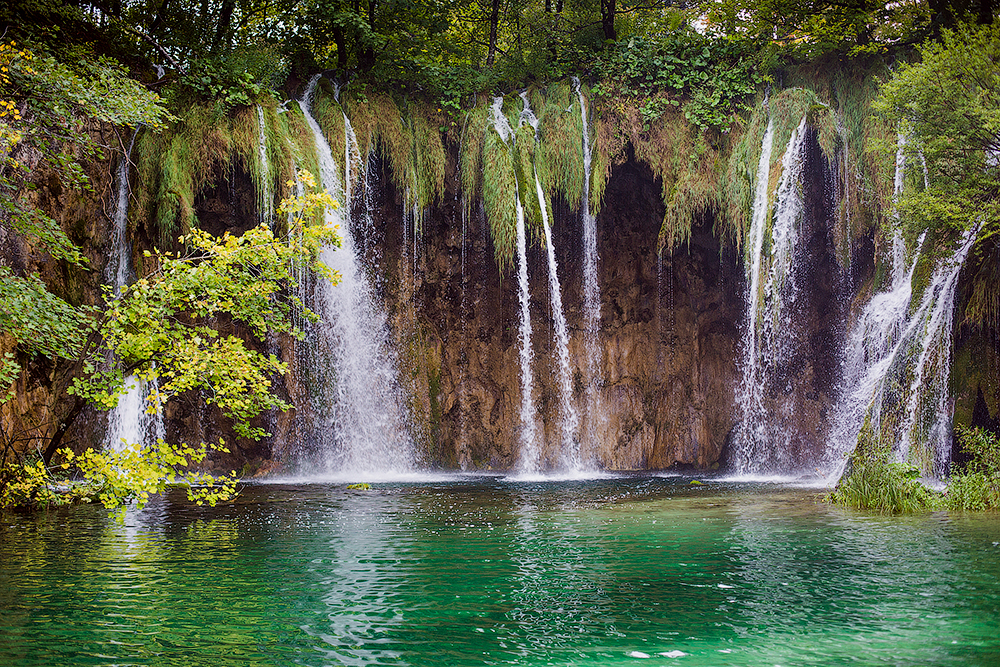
(976, 484)
(873, 482)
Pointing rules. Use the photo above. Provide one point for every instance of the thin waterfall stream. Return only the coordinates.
(569, 419)
(130, 421)
(265, 205)
(530, 451)
(595, 410)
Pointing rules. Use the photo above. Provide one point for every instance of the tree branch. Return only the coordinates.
(152, 42)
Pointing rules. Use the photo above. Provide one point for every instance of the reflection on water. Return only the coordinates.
(467, 571)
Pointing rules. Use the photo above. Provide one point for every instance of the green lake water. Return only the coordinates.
(485, 571)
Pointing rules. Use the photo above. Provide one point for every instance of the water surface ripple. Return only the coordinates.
(488, 571)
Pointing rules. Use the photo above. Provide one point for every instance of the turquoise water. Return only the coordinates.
(483, 571)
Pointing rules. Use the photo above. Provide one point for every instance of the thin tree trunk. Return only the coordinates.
(222, 28)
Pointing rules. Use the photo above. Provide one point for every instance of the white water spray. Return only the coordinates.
(359, 404)
(762, 446)
(569, 454)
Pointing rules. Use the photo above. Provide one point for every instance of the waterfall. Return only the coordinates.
(569, 455)
(873, 343)
(750, 395)
(530, 453)
(926, 435)
(591, 289)
(360, 421)
(130, 420)
(265, 205)
(529, 443)
(897, 366)
(762, 446)
(897, 359)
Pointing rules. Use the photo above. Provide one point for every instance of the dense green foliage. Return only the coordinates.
(874, 482)
(46, 109)
(163, 327)
(948, 105)
(716, 77)
(975, 485)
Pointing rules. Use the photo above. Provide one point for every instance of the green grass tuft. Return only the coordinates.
(873, 483)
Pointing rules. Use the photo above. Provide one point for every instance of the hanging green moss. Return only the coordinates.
(328, 113)
(246, 124)
(477, 123)
(560, 158)
(411, 141)
(298, 150)
(524, 167)
(500, 196)
(175, 165)
(686, 159)
(428, 156)
(741, 175)
(855, 88)
(378, 125)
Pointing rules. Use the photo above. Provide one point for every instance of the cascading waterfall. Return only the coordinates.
(130, 420)
(897, 360)
(926, 435)
(265, 206)
(898, 368)
(361, 425)
(530, 453)
(873, 344)
(569, 455)
(591, 289)
(761, 444)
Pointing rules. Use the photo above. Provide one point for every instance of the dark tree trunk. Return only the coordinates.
(608, 10)
(366, 58)
(494, 24)
(222, 28)
(341, 41)
(57, 438)
(158, 19)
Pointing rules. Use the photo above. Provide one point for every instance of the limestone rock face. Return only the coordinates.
(40, 401)
(668, 337)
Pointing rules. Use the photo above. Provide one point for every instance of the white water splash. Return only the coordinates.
(358, 402)
(926, 434)
(891, 345)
